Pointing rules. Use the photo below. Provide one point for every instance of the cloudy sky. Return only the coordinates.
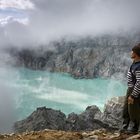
(14, 10)
(26, 22)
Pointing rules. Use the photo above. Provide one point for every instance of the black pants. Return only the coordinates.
(131, 111)
(125, 113)
(134, 111)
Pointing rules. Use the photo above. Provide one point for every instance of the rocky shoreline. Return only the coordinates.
(90, 119)
(92, 124)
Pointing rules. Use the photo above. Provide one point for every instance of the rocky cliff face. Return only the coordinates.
(113, 112)
(89, 57)
(91, 119)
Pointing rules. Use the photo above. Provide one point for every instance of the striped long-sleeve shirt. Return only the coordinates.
(133, 79)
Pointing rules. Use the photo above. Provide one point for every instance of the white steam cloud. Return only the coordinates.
(52, 19)
(7, 98)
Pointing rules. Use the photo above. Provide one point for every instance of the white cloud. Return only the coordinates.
(10, 19)
(52, 19)
(14, 11)
(18, 4)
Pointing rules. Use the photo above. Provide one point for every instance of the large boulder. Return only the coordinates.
(113, 112)
(86, 120)
(42, 118)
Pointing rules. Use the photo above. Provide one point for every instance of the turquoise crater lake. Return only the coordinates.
(30, 89)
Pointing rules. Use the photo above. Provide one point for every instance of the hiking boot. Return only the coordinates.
(123, 130)
(134, 129)
(124, 127)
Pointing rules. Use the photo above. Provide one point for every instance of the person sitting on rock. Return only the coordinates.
(131, 110)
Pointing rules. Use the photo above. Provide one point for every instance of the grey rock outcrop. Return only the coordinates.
(113, 112)
(91, 119)
(42, 118)
(85, 120)
(45, 118)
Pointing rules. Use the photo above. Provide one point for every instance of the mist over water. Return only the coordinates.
(7, 99)
(23, 90)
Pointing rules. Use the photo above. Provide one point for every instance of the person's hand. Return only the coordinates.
(130, 100)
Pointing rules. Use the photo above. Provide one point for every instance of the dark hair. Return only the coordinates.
(136, 49)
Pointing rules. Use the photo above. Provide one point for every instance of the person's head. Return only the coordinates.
(135, 54)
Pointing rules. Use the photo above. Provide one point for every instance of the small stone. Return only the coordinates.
(85, 134)
(134, 137)
(94, 137)
(93, 132)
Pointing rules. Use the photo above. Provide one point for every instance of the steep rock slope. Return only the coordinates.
(87, 57)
